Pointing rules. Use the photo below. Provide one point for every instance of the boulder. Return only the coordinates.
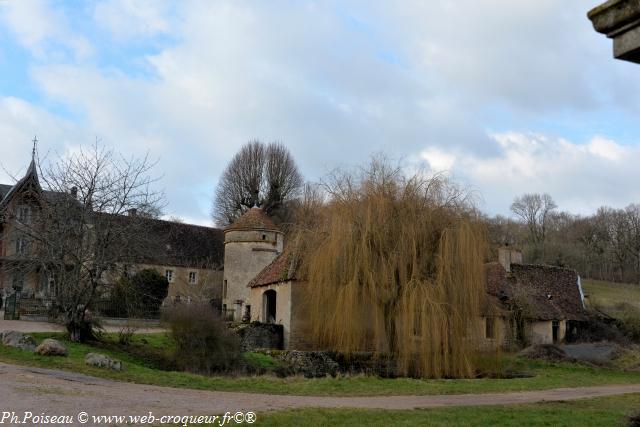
(18, 340)
(51, 347)
(102, 361)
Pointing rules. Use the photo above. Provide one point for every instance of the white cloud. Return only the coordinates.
(126, 19)
(39, 28)
(580, 177)
(439, 161)
(336, 82)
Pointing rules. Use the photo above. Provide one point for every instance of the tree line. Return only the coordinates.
(604, 245)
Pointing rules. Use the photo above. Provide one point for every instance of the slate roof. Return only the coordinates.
(281, 269)
(253, 219)
(185, 245)
(160, 242)
(4, 189)
(551, 293)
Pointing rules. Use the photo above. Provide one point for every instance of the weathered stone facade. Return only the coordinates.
(620, 21)
(250, 244)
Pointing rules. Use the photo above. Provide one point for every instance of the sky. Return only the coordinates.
(507, 97)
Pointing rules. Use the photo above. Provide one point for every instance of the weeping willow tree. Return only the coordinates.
(394, 264)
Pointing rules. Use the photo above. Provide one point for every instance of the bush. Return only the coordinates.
(202, 341)
(634, 420)
(139, 295)
(630, 324)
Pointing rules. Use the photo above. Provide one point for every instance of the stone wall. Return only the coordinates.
(257, 335)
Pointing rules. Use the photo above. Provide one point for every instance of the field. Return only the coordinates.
(612, 298)
(610, 411)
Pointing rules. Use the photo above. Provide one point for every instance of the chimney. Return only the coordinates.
(508, 256)
(132, 212)
(74, 192)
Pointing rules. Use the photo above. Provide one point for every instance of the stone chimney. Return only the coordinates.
(74, 192)
(132, 212)
(508, 256)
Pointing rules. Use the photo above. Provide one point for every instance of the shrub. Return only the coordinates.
(139, 295)
(202, 341)
(630, 324)
(634, 420)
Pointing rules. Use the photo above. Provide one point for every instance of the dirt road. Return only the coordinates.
(58, 392)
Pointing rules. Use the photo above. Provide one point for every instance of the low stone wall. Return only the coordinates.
(258, 335)
(317, 364)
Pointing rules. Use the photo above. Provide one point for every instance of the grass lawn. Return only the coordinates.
(612, 298)
(600, 412)
(139, 370)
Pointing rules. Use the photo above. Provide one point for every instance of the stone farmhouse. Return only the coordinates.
(533, 303)
(246, 271)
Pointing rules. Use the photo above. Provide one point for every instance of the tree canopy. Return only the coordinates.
(259, 174)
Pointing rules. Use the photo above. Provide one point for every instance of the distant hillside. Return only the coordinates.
(612, 298)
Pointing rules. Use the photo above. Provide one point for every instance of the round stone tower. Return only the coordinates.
(250, 244)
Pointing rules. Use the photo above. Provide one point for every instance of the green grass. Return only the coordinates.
(139, 369)
(612, 298)
(600, 412)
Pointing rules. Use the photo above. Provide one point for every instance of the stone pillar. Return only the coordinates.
(619, 20)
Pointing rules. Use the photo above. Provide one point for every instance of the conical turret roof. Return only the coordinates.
(253, 219)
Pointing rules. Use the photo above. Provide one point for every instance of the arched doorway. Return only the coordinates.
(269, 306)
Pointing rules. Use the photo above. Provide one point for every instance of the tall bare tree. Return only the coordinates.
(90, 221)
(535, 210)
(259, 174)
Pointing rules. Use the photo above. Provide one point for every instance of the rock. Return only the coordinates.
(311, 364)
(18, 340)
(102, 361)
(51, 347)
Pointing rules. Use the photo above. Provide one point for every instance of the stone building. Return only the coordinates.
(251, 243)
(245, 269)
(189, 256)
(278, 297)
(536, 304)
(548, 301)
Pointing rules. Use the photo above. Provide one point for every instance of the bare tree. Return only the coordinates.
(258, 175)
(90, 221)
(535, 211)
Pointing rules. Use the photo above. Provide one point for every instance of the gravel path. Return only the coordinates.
(63, 393)
(27, 326)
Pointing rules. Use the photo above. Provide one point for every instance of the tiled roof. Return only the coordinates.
(253, 219)
(551, 293)
(281, 269)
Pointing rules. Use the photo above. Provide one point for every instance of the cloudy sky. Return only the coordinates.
(508, 96)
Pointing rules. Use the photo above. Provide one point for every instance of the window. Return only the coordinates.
(224, 289)
(169, 275)
(24, 214)
(193, 277)
(489, 331)
(264, 237)
(21, 246)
